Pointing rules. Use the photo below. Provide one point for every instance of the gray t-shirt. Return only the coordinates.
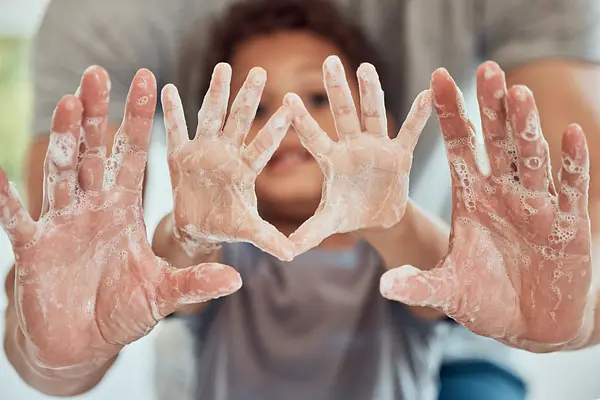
(317, 324)
(314, 328)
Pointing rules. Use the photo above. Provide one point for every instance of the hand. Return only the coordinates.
(518, 267)
(87, 282)
(213, 175)
(366, 172)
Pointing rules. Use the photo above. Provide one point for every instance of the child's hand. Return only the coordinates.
(519, 265)
(366, 172)
(213, 175)
(86, 280)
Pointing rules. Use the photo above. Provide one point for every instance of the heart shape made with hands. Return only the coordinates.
(213, 175)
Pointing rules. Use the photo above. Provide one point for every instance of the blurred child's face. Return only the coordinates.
(290, 185)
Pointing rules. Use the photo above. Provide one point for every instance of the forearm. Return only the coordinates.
(46, 380)
(418, 239)
(595, 337)
(566, 92)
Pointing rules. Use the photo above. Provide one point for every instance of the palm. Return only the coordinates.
(503, 245)
(215, 169)
(366, 172)
(87, 281)
(93, 303)
(213, 175)
(519, 263)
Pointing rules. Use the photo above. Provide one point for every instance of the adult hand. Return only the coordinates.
(87, 282)
(519, 265)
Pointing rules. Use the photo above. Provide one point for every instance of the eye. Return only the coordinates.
(318, 99)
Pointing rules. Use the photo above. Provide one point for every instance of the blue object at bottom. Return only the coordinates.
(479, 380)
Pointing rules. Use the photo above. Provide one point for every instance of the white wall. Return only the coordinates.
(20, 17)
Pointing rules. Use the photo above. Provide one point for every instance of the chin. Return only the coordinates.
(294, 199)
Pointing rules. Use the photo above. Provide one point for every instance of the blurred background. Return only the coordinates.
(573, 376)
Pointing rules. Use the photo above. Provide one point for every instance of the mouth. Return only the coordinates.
(286, 161)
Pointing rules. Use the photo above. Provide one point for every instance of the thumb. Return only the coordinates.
(435, 288)
(266, 237)
(196, 284)
(317, 228)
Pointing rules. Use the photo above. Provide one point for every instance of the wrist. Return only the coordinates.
(190, 240)
(590, 330)
(391, 242)
(62, 382)
(596, 329)
(594, 338)
(404, 225)
(418, 239)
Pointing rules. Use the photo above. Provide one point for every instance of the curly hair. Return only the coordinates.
(251, 18)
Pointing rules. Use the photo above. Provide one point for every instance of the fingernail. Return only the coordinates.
(491, 69)
(259, 76)
(332, 62)
(442, 72)
(291, 99)
(522, 92)
(367, 72)
(91, 69)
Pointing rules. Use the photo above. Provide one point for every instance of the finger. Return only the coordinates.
(259, 152)
(174, 118)
(311, 135)
(214, 107)
(372, 102)
(60, 181)
(458, 130)
(532, 149)
(342, 106)
(436, 288)
(94, 96)
(459, 136)
(415, 121)
(492, 95)
(574, 173)
(14, 218)
(243, 109)
(266, 237)
(127, 163)
(317, 228)
(198, 284)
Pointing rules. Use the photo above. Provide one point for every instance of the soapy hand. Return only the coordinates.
(366, 172)
(519, 263)
(86, 280)
(213, 175)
